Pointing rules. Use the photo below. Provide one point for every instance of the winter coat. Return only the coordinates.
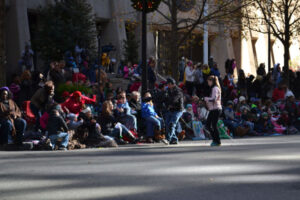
(278, 94)
(174, 100)
(76, 107)
(56, 125)
(107, 123)
(189, 74)
(199, 76)
(148, 110)
(41, 98)
(214, 101)
(151, 75)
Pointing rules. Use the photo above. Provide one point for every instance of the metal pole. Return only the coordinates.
(99, 58)
(144, 50)
(205, 37)
(2, 45)
(269, 41)
(269, 49)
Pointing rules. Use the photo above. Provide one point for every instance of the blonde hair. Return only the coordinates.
(106, 110)
(215, 81)
(147, 95)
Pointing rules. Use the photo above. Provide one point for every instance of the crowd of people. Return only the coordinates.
(201, 105)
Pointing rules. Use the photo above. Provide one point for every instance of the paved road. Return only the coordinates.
(254, 169)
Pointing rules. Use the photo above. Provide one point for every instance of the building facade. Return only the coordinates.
(111, 19)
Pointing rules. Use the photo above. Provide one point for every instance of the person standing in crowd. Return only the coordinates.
(199, 80)
(27, 59)
(214, 105)
(174, 102)
(40, 100)
(189, 78)
(181, 68)
(151, 73)
(12, 125)
(276, 74)
(211, 62)
(261, 70)
(242, 83)
(26, 86)
(215, 70)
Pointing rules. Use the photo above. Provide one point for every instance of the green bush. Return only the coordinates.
(73, 88)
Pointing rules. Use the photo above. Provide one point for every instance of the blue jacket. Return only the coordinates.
(148, 110)
(126, 107)
(215, 72)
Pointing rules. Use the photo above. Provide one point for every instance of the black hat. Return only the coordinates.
(171, 81)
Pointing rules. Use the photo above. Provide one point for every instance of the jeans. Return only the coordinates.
(7, 127)
(232, 125)
(181, 76)
(172, 119)
(37, 115)
(62, 135)
(130, 121)
(211, 124)
(151, 123)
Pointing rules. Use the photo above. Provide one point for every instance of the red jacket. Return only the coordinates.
(135, 86)
(78, 77)
(278, 94)
(76, 107)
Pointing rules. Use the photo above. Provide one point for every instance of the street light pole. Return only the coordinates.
(144, 49)
(99, 58)
(269, 38)
(205, 36)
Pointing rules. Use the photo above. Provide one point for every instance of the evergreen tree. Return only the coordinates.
(131, 47)
(62, 26)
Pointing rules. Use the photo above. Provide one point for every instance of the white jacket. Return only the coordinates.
(189, 74)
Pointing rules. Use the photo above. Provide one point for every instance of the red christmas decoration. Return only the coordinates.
(152, 5)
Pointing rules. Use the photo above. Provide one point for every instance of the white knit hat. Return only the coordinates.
(242, 98)
(88, 109)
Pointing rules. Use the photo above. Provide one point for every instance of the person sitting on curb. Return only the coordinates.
(12, 125)
(111, 127)
(153, 121)
(57, 130)
(76, 102)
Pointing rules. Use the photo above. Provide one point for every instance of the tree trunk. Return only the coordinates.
(286, 43)
(2, 44)
(174, 42)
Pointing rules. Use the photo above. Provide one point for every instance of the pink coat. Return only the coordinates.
(126, 72)
(214, 101)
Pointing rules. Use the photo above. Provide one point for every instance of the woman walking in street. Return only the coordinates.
(215, 109)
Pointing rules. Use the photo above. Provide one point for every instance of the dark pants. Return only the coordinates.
(199, 89)
(151, 85)
(189, 87)
(37, 115)
(211, 124)
(7, 127)
(181, 76)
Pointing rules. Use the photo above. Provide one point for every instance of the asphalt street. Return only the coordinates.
(254, 169)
